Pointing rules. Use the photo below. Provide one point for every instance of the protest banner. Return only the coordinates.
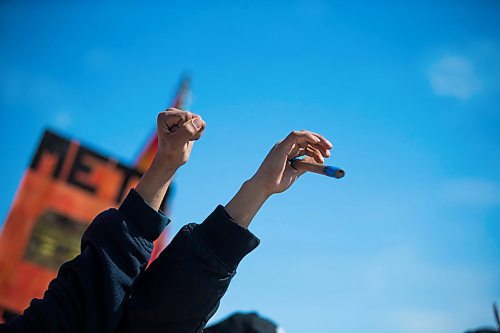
(64, 188)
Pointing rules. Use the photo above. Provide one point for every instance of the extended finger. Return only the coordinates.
(324, 152)
(300, 137)
(323, 141)
(314, 153)
(296, 149)
(296, 152)
(311, 152)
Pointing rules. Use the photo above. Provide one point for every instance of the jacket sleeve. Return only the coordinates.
(182, 288)
(89, 291)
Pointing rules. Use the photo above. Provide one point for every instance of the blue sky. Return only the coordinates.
(408, 92)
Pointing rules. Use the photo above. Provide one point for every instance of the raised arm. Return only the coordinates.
(181, 290)
(276, 174)
(177, 130)
(89, 291)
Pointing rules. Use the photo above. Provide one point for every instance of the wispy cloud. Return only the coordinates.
(399, 280)
(470, 192)
(454, 76)
(417, 321)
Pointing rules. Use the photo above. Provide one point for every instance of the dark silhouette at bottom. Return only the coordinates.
(243, 323)
(489, 329)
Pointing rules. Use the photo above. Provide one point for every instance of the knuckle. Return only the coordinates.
(187, 126)
(160, 116)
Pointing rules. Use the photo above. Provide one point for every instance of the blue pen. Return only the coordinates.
(330, 171)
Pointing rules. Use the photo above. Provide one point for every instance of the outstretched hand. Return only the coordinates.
(276, 174)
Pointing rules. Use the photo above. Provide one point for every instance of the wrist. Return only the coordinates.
(247, 202)
(257, 189)
(164, 165)
(260, 187)
(154, 183)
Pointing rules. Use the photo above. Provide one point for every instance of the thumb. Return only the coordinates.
(301, 170)
(192, 129)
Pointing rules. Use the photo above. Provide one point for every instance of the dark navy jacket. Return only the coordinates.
(107, 289)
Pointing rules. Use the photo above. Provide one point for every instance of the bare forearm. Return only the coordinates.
(176, 130)
(155, 182)
(246, 203)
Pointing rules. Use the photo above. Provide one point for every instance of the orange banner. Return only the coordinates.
(66, 186)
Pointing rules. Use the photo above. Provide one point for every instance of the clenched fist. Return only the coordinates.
(177, 130)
